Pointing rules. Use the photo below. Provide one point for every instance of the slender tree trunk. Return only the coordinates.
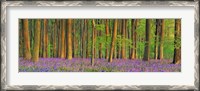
(36, 41)
(74, 39)
(157, 38)
(63, 39)
(135, 37)
(84, 38)
(55, 39)
(32, 33)
(93, 42)
(126, 37)
(134, 25)
(69, 39)
(45, 38)
(59, 38)
(161, 39)
(27, 53)
(81, 34)
(177, 42)
(147, 44)
(113, 40)
(107, 35)
(95, 35)
(88, 39)
(21, 46)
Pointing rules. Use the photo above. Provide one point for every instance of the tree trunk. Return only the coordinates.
(84, 39)
(63, 39)
(161, 39)
(21, 39)
(27, 53)
(135, 38)
(177, 42)
(69, 39)
(157, 33)
(45, 38)
(88, 39)
(113, 40)
(147, 44)
(74, 39)
(107, 35)
(133, 53)
(36, 41)
(93, 42)
(55, 39)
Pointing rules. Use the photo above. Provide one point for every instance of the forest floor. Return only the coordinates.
(100, 65)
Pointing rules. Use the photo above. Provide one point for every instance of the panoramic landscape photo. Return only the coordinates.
(99, 45)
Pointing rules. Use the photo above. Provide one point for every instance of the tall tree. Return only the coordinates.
(36, 41)
(55, 39)
(93, 42)
(27, 52)
(59, 37)
(177, 42)
(157, 34)
(107, 35)
(21, 43)
(100, 44)
(69, 39)
(88, 39)
(74, 38)
(62, 55)
(134, 25)
(160, 56)
(84, 39)
(45, 37)
(113, 40)
(147, 41)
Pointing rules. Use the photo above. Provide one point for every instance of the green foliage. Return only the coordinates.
(100, 27)
(49, 49)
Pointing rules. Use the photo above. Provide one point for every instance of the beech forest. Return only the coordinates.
(99, 45)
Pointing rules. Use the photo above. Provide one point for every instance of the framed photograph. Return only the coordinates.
(100, 45)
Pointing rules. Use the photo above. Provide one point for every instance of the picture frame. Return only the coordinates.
(4, 55)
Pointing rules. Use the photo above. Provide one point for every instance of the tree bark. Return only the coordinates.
(113, 40)
(133, 53)
(63, 39)
(36, 41)
(27, 53)
(69, 39)
(45, 38)
(55, 39)
(93, 42)
(88, 39)
(177, 42)
(161, 39)
(147, 40)
(157, 33)
(107, 35)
